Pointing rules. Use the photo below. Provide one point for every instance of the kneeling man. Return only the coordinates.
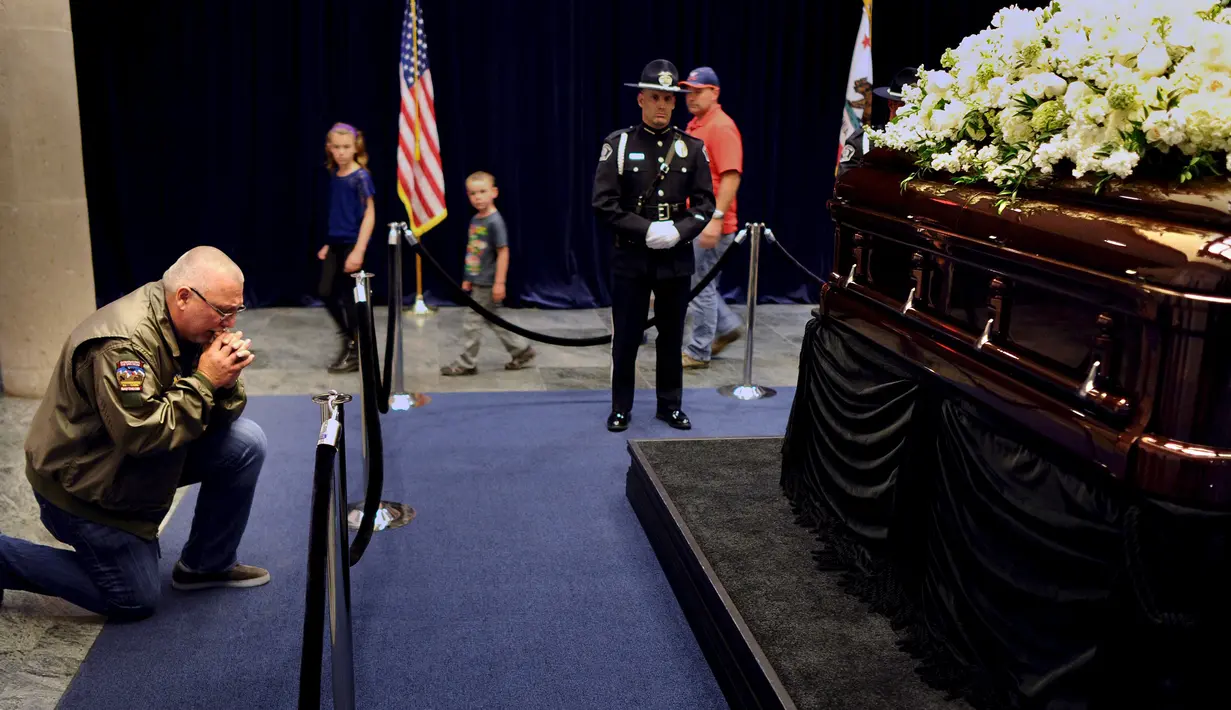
(146, 397)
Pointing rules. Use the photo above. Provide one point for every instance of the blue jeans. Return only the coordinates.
(710, 314)
(114, 572)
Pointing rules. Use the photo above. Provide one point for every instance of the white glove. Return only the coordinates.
(662, 235)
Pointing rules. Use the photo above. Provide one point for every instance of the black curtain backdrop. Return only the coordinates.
(204, 123)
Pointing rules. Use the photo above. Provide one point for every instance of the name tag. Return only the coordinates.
(636, 156)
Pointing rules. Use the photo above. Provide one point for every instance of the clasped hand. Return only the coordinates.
(224, 358)
(662, 235)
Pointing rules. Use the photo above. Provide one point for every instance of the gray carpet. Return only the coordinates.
(827, 648)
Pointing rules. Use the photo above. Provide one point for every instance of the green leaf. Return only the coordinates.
(1026, 104)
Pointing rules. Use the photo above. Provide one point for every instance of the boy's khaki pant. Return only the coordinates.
(472, 329)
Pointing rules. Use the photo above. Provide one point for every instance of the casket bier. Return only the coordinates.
(1101, 322)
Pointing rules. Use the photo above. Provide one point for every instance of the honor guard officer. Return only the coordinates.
(653, 187)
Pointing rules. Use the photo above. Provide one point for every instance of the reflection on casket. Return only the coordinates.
(1014, 429)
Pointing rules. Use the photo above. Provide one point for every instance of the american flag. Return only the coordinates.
(420, 177)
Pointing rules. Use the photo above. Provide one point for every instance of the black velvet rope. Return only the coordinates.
(376, 456)
(461, 296)
(792, 259)
(314, 600)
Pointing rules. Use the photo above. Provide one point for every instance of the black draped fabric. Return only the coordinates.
(1021, 559)
(1020, 576)
(855, 408)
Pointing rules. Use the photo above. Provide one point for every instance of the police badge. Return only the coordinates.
(664, 78)
(130, 374)
(681, 149)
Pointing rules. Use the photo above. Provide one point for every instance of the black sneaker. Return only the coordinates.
(237, 576)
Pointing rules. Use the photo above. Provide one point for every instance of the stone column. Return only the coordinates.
(46, 274)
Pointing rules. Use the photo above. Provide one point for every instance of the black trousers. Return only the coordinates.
(337, 289)
(630, 302)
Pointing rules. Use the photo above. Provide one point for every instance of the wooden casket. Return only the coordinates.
(1102, 322)
(1013, 431)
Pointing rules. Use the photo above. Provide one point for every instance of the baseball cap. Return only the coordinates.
(700, 78)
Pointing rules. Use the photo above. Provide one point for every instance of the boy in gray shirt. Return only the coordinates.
(487, 265)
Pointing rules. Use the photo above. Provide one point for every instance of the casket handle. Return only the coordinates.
(940, 330)
(1087, 385)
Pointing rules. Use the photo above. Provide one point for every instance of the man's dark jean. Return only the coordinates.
(114, 572)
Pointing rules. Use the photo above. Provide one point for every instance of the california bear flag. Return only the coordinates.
(858, 107)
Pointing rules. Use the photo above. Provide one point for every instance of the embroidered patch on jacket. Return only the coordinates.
(130, 374)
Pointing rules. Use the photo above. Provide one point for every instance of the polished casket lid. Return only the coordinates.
(1152, 232)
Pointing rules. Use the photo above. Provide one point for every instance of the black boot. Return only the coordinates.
(348, 357)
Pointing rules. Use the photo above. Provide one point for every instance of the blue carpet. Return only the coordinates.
(525, 581)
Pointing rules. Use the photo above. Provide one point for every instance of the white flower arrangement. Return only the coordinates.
(1088, 86)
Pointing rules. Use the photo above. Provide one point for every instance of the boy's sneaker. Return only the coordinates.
(456, 370)
(521, 359)
(237, 576)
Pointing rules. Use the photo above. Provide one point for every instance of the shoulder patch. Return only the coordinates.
(130, 374)
(706, 153)
(606, 152)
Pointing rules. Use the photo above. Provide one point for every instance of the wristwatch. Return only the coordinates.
(718, 214)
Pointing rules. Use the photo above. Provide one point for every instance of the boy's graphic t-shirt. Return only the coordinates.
(487, 234)
(348, 200)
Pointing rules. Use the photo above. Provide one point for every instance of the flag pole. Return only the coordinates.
(421, 308)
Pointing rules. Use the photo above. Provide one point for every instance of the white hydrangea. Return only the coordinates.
(1014, 127)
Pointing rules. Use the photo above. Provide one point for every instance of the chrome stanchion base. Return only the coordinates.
(746, 392)
(421, 308)
(403, 401)
(389, 515)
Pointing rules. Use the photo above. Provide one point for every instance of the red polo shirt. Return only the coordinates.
(726, 151)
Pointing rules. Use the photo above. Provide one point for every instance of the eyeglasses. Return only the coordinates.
(221, 313)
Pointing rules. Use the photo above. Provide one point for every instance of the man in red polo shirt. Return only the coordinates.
(714, 325)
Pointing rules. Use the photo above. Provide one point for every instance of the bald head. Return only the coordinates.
(201, 267)
(204, 291)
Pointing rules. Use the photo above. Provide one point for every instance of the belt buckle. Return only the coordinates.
(664, 212)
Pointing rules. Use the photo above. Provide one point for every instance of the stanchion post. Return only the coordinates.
(341, 652)
(363, 295)
(747, 390)
(399, 398)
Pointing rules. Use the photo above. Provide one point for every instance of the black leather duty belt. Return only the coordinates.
(666, 211)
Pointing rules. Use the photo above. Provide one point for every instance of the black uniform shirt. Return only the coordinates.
(627, 165)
